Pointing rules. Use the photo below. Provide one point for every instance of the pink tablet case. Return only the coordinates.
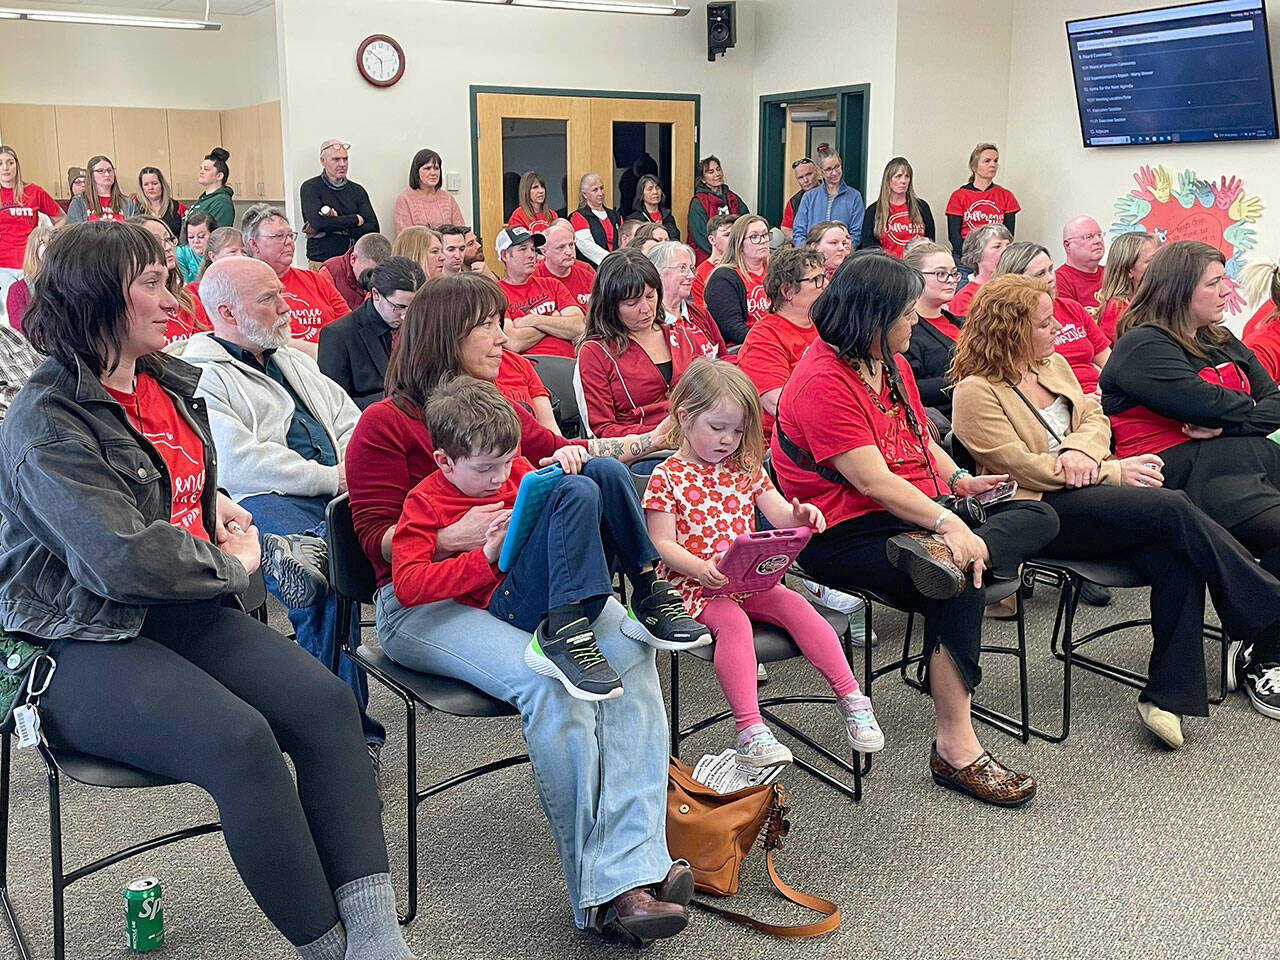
(757, 561)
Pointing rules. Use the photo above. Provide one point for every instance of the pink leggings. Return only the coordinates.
(735, 654)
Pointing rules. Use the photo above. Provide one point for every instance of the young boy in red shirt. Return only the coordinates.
(560, 580)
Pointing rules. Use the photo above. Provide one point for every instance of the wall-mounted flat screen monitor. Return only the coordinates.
(1193, 73)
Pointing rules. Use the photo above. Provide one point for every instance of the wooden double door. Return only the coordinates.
(563, 136)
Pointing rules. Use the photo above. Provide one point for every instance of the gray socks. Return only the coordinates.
(368, 910)
(331, 946)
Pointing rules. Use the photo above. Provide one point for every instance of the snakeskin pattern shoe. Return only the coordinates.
(986, 779)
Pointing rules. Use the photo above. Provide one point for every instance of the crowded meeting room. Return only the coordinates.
(792, 499)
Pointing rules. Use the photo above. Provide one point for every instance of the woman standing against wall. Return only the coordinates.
(981, 200)
(898, 216)
(424, 204)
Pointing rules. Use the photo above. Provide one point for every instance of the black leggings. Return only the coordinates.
(210, 696)
(1180, 550)
(852, 555)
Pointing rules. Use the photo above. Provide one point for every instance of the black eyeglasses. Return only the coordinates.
(818, 282)
(796, 163)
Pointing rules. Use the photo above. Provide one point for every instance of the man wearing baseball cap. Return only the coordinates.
(543, 317)
(336, 211)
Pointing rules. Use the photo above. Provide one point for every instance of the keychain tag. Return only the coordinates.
(26, 722)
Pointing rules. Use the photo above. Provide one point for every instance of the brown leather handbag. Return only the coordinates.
(715, 832)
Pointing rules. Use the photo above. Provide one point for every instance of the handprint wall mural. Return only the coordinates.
(1190, 208)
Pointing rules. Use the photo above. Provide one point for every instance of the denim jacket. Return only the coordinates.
(86, 543)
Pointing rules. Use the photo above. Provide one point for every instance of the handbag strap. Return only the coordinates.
(830, 912)
(1037, 414)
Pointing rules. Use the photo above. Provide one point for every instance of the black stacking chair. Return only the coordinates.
(351, 577)
(556, 374)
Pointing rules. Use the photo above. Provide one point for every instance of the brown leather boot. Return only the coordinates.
(642, 918)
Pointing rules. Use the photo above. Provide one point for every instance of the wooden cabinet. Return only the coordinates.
(141, 140)
(254, 137)
(192, 134)
(32, 131)
(85, 132)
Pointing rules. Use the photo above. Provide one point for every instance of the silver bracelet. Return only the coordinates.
(942, 518)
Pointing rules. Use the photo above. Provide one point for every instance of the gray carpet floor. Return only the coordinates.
(1129, 850)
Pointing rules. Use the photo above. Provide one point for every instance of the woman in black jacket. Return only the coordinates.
(120, 556)
(735, 294)
(651, 205)
(1179, 384)
(933, 338)
(597, 229)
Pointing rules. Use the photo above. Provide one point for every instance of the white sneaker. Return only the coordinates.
(840, 602)
(761, 750)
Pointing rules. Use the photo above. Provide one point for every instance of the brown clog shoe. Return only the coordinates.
(927, 560)
(986, 779)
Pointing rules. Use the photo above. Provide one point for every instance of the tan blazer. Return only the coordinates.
(1004, 436)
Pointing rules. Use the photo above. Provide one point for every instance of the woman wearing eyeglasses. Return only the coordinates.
(105, 201)
(774, 346)
(807, 176)
(933, 338)
(188, 317)
(735, 289)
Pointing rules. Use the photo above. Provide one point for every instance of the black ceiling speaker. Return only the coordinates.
(722, 28)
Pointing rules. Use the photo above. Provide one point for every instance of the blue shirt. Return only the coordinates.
(306, 436)
(817, 205)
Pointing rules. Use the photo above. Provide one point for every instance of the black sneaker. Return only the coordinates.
(300, 564)
(571, 656)
(1262, 684)
(661, 620)
(1237, 657)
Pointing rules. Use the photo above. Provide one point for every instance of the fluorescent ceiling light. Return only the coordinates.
(810, 115)
(602, 6)
(108, 19)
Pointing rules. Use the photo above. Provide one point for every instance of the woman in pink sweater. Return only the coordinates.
(424, 203)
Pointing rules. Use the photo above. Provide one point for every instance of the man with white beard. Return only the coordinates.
(281, 428)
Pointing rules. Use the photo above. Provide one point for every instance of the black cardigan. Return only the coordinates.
(930, 355)
(726, 299)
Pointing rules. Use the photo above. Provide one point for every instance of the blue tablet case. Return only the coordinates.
(535, 487)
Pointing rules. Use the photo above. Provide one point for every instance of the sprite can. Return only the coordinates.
(143, 914)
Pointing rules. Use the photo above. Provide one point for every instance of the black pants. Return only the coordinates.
(1261, 537)
(1180, 551)
(211, 696)
(852, 554)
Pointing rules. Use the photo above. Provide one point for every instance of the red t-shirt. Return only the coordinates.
(1264, 341)
(827, 410)
(152, 412)
(18, 219)
(581, 276)
(1110, 315)
(757, 299)
(538, 223)
(1077, 285)
(943, 325)
(107, 212)
(1264, 311)
(1079, 340)
(1139, 430)
(976, 207)
(540, 295)
(313, 301)
(181, 325)
(899, 230)
(698, 293)
(435, 503)
(771, 350)
(959, 305)
(518, 380)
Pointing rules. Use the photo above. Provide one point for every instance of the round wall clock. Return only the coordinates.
(380, 60)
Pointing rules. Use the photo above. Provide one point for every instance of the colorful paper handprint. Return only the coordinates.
(1187, 207)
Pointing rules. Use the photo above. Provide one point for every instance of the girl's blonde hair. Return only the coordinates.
(704, 384)
(31, 258)
(1124, 253)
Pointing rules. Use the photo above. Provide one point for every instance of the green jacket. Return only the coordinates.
(218, 205)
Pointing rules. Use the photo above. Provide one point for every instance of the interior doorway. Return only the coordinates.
(793, 125)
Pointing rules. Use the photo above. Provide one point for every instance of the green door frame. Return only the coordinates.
(564, 92)
(853, 115)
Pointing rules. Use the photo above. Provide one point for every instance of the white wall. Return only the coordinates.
(88, 65)
(449, 46)
(945, 103)
(804, 46)
(1056, 178)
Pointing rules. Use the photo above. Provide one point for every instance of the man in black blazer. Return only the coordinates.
(354, 349)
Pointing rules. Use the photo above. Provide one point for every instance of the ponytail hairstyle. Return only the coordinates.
(703, 385)
(975, 153)
(174, 281)
(1261, 280)
(219, 158)
(220, 239)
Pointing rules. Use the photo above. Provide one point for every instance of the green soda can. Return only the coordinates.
(143, 914)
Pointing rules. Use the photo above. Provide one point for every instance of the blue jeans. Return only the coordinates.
(561, 562)
(626, 541)
(314, 626)
(600, 768)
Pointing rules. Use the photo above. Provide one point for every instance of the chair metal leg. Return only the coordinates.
(411, 805)
(854, 793)
(10, 915)
(55, 863)
(675, 705)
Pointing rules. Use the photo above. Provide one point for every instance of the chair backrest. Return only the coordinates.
(556, 374)
(350, 572)
(958, 452)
